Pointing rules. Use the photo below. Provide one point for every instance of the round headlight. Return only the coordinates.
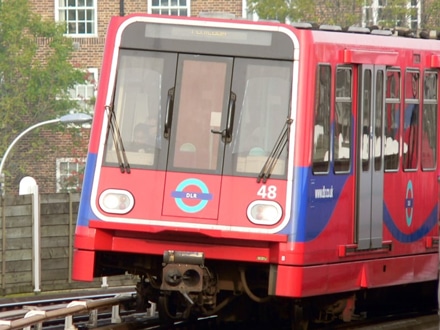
(264, 212)
(116, 201)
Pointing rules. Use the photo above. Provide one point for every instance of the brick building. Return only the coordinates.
(62, 158)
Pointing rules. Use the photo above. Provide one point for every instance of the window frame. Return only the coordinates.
(60, 11)
(339, 165)
(322, 116)
(393, 103)
(59, 176)
(168, 8)
(432, 103)
(375, 7)
(408, 101)
(81, 99)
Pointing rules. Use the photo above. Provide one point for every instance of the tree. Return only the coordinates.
(345, 13)
(430, 17)
(35, 70)
(340, 12)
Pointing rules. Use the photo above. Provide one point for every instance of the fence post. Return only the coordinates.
(28, 186)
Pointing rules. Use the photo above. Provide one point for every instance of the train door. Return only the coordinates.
(369, 156)
(197, 107)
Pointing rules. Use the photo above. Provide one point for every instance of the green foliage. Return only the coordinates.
(341, 12)
(430, 15)
(270, 9)
(346, 12)
(35, 70)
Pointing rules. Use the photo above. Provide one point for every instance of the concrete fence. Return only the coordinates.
(58, 214)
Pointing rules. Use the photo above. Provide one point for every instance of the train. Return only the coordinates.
(237, 166)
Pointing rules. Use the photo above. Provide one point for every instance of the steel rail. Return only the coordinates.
(36, 316)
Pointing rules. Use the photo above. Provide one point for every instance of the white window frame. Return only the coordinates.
(167, 10)
(84, 92)
(375, 7)
(73, 165)
(60, 11)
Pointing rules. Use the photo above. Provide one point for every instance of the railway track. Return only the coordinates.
(61, 311)
(116, 311)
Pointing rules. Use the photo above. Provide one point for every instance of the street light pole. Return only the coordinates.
(76, 118)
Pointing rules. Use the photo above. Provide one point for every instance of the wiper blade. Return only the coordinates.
(275, 154)
(124, 166)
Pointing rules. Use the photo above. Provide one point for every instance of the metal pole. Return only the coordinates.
(36, 238)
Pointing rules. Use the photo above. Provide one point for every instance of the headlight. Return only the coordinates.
(264, 212)
(116, 201)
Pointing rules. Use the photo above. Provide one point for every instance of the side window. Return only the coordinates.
(342, 132)
(411, 120)
(392, 120)
(321, 131)
(429, 121)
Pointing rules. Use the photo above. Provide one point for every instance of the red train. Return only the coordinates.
(234, 161)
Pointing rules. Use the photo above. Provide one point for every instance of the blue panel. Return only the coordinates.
(425, 228)
(85, 212)
(313, 202)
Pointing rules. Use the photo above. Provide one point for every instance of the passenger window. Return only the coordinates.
(342, 132)
(321, 132)
(429, 121)
(411, 120)
(392, 120)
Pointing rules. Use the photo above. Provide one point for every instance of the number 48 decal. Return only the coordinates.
(269, 192)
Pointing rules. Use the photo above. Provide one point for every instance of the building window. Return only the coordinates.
(169, 7)
(78, 15)
(70, 174)
(85, 93)
(384, 13)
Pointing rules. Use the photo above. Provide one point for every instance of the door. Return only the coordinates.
(370, 146)
(198, 121)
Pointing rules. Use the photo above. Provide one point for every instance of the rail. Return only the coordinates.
(35, 316)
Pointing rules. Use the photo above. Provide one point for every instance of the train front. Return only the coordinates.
(187, 182)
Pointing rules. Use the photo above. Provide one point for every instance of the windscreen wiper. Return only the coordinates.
(275, 154)
(124, 166)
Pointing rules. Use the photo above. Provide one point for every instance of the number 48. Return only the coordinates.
(269, 192)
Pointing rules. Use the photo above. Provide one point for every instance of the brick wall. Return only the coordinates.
(233, 7)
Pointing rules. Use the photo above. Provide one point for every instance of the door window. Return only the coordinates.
(199, 111)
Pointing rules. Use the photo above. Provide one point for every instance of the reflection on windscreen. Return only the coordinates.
(263, 115)
(137, 107)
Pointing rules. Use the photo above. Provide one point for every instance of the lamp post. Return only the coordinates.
(76, 118)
